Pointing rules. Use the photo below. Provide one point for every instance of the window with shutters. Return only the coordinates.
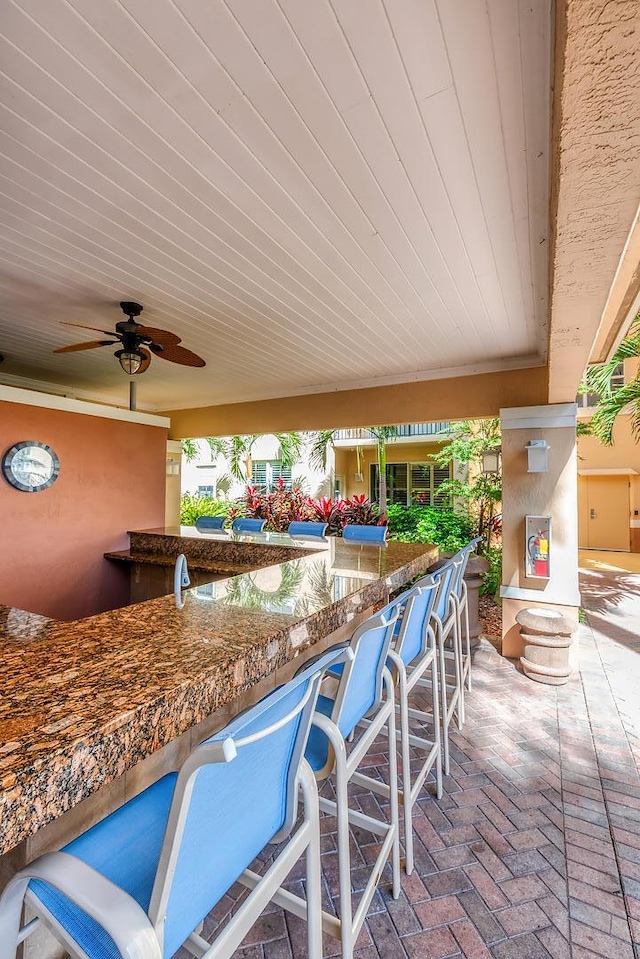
(206, 491)
(412, 484)
(266, 473)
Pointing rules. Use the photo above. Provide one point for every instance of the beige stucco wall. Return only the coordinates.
(554, 494)
(623, 455)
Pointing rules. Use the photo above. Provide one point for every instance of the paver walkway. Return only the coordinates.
(534, 850)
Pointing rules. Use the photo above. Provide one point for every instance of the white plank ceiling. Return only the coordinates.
(312, 193)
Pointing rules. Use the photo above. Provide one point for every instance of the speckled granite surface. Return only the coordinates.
(82, 702)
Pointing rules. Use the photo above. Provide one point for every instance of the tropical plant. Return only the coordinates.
(450, 529)
(193, 507)
(190, 450)
(480, 492)
(323, 439)
(359, 510)
(492, 579)
(613, 402)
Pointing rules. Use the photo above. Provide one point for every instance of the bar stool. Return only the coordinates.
(414, 655)
(444, 621)
(210, 522)
(365, 689)
(307, 529)
(368, 534)
(138, 883)
(244, 525)
(460, 596)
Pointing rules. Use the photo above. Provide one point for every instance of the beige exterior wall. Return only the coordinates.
(554, 494)
(346, 465)
(624, 455)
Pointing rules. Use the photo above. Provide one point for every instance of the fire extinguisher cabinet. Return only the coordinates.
(537, 559)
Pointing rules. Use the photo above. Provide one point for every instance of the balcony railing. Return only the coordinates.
(412, 429)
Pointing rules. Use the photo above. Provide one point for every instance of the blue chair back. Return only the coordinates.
(236, 792)
(360, 687)
(242, 525)
(445, 578)
(307, 529)
(419, 602)
(369, 534)
(210, 522)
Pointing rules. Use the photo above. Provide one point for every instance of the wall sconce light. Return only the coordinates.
(491, 461)
(538, 456)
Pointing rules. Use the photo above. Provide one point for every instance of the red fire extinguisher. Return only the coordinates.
(539, 554)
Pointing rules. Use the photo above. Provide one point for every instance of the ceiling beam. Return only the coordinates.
(460, 397)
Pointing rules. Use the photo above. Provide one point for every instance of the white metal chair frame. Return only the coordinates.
(445, 627)
(461, 600)
(140, 936)
(408, 676)
(343, 764)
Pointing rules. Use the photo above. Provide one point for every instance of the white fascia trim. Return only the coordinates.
(174, 446)
(541, 595)
(49, 401)
(622, 471)
(539, 417)
(634, 524)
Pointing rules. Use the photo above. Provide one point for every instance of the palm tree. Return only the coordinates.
(613, 402)
(237, 449)
(323, 439)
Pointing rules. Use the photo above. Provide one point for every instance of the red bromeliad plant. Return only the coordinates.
(279, 507)
(331, 512)
(283, 506)
(360, 511)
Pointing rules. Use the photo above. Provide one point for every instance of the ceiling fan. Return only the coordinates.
(137, 343)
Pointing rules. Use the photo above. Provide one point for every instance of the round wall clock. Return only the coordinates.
(30, 466)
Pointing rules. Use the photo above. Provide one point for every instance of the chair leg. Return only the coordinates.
(393, 798)
(437, 737)
(407, 802)
(314, 882)
(459, 669)
(344, 859)
(445, 705)
(468, 643)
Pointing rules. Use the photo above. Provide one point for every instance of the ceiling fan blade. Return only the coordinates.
(159, 336)
(178, 354)
(81, 326)
(147, 359)
(91, 345)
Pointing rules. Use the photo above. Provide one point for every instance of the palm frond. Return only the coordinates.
(319, 447)
(290, 447)
(216, 445)
(190, 450)
(610, 406)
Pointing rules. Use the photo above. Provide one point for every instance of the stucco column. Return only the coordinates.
(552, 493)
(172, 488)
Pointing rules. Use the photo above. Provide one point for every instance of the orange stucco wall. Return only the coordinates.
(112, 479)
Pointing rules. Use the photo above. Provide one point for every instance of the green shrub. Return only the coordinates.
(492, 579)
(192, 507)
(450, 529)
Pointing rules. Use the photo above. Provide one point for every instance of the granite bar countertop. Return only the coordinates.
(81, 702)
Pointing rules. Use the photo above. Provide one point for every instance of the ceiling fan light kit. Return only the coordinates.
(137, 343)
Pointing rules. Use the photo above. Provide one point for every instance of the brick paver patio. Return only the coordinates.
(534, 850)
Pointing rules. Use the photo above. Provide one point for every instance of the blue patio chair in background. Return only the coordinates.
(369, 534)
(211, 522)
(242, 525)
(138, 883)
(365, 689)
(307, 529)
